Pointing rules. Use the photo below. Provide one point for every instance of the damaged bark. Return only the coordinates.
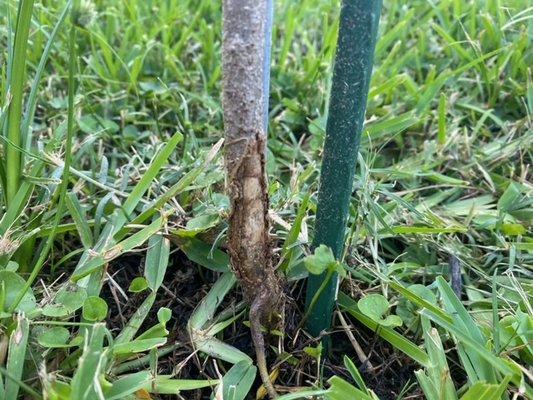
(244, 98)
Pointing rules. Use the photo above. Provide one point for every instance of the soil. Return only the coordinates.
(186, 284)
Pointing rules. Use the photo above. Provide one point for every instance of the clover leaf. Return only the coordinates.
(375, 306)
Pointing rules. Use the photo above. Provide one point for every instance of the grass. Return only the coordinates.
(16, 85)
(135, 283)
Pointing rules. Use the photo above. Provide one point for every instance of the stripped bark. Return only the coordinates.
(243, 98)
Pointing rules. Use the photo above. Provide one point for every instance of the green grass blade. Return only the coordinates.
(486, 391)
(176, 189)
(156, 262)
(78, 215)
(397, 340)
(441, 134)
(18, 73)
(32, 97)
(26, 388)
(218, 349)
(113, 251)
(127, 385)
(486, 357)
(354, 372)
(207, 307)
(238, 381)
(465, 324)
(198, 323)
(140, 189)
(304, 394)
(419, 301)
(164, 385)
(204, 254)
(439, 377)
(18, 342)
(288, 250)
(130, 330)
(137, 346)
(65, 174)
(87, 264)
(14, 210)
(341, 390)
(433, 88)
(85, 382)
(427, 386)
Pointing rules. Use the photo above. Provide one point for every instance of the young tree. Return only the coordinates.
(245, 66)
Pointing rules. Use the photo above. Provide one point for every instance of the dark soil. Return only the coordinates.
(186, 284)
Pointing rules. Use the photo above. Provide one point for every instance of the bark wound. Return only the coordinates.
(249, 242)
(243, 52)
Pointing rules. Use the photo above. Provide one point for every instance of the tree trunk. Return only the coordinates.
(245, 49)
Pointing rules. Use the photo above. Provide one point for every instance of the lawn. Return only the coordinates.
(114, 273)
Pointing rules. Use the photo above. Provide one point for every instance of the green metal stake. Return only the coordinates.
(359, 21)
